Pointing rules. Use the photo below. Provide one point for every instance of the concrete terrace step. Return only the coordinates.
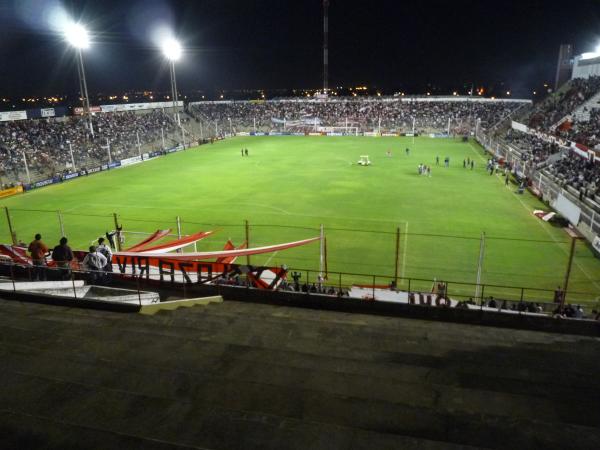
(185, 354)
(28, 431)
(236, 375)
(382, 348)
(249, 412)
(421, 330)
(436, 370)
(427, 355)
(287, 434)
(149, 379)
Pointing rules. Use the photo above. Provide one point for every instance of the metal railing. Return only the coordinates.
(367, 287)
(72, 273)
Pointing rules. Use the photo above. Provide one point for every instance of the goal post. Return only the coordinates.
(340, 131)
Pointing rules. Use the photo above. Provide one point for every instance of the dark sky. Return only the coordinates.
(277, 43)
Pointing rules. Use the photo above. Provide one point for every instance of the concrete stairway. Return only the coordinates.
(582, 114)
(236, 375)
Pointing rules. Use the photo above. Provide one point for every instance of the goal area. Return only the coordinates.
(341, 131)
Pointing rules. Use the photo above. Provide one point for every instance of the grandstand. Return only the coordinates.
(49, 147)
(454, 115)
(242, 375)
(227, 276)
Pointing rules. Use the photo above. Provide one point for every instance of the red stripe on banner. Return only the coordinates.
(229, 246)
(158, 234)
(177, 243)
(200, 256)
(17, 254)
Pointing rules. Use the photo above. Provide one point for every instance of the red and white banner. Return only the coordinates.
(171, 246)
(201, 256)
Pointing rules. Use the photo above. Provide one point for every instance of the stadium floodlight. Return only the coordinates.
(588, 55)
(77, 36)
(172, 49)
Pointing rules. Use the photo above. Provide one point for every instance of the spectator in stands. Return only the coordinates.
(581, 174)
(558, 295)
(46, 142)
(548, 113)
(62, 255)
(38, 251)
(532, 147)
(94, 262)
(393, 113)
(105, 250)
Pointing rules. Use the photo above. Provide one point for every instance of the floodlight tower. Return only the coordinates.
(325, 46)
(78, 37)
(172, 51)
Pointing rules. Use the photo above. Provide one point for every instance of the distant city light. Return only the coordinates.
(171, 49)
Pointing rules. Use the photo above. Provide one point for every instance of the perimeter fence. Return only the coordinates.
(504, 264)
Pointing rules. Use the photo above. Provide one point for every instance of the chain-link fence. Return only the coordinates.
(391, 252)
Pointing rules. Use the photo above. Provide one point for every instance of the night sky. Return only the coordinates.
(269, 44)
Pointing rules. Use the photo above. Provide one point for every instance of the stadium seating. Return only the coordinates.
(46, 142)
(533, 148)
(556, 107)
(237, 375)
(585, 131)
(579, 173)
(367, 114)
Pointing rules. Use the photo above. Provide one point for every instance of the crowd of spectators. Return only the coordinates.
(531, 147)
(553, 109)
(365, 114)
(45, 142)
(584, 132)
(580, 173)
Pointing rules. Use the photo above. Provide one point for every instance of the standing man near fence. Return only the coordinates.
(62, 256)
(94, 262)
(38, 251)
(105, 251)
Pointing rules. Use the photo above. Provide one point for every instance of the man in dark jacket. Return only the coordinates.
(62, 256)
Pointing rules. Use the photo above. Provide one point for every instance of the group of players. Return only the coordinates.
(424, 169)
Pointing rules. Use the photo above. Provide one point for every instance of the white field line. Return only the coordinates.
(223, 206)
(274, 208)
(477, 152)
(270, 258)
(588, 276)
(564, 250)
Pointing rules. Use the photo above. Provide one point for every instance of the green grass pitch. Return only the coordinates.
(288, 186)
